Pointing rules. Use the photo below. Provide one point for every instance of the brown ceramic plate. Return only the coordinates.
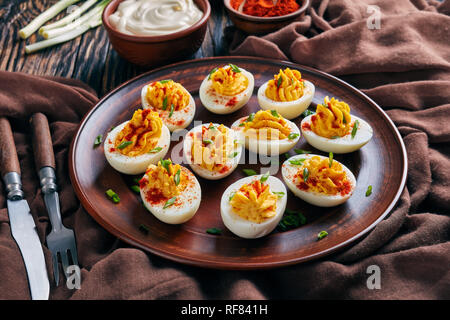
(381, 163)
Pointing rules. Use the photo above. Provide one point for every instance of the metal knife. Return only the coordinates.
(23, 228)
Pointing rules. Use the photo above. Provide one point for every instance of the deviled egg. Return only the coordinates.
(213, 151)
(333, 129)
(286, 93)
(267, 132)
(253, 206)
(172, 101)
(170, 192)
(318, 180)
(133, 145)
(226, 89)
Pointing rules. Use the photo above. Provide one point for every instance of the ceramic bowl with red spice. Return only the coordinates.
(150, 51)
(254, 24)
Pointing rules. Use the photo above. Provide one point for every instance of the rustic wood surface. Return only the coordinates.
(90, 57)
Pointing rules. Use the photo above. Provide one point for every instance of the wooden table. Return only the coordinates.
(90, 57)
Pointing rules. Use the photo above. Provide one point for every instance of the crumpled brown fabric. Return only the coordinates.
(404, 67)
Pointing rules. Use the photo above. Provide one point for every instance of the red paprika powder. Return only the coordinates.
(266, 8)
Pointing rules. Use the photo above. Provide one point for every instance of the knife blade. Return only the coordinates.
(23, 228)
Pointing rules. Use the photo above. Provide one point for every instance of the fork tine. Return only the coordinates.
(73, 253)
(55, 268)
(65, 261)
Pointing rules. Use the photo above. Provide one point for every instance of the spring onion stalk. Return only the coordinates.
(70, 18)
(78, 22)
(44, 17)
(94, 22)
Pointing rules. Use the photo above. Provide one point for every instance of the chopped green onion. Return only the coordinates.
(164, 106)
(280, 79)
(136, 188)
(215, 231)
(265, 176)
(165, 81)
(233, 154)
(231, 195)
(211, 73)
(165, 164)
(291, 219)
(355, 128)
(307, 112)
(113, 196)
(235, 68)
(330, 157)
(292, 81)
(241, 124)
(169, 202)
(124, 144)
(275, 113)
(335, 137)
(297, 162)
(250, 118)
(321, 235)
(286, 155)
(136, 180)
(212, 128)
(171, 110)
(176, 178)
(343, 119)
(143, 228)
(301, 151)
(292, 136)
(98, 140)
(155, 150)
(208, 141)
(369, 191)
(249, 172)
(279, 194)
(305, 174)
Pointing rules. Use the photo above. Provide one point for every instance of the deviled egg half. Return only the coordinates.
(172, 101)
(286, 93)
(266, 132)
(318, 180)
(135, 144)
(226, 89)
(333, 129)
(213, 151)
(253, 206)
(170, 192)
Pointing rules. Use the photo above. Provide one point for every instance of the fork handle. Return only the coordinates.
(9, 162)
(42, 142)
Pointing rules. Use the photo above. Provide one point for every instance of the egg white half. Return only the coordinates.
(231, 162)
(184, 207)
(247, 229)
(217, 103)
(138, 164)
(267, 147)
(288, 172)
(343, 144)
(288, 109)
(180, 119)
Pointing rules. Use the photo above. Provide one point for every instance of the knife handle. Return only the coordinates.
(9, 162)
(42, 142)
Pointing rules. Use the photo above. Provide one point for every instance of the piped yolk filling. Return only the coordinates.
(332, 119)
(140, 134)
(322, 178)
(254, 202)
(167, 93)
(287, 85)
(163, 181)
(227, 82)
(266, 125)
(212, 148)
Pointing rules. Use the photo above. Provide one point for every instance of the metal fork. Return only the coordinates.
(60, 241)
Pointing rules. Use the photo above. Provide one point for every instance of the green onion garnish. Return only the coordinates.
(231, 195)
(355, 128)
(322, 234)
(169, 202)
(249, 172)
(292, 136)
(250, 118)
(113, 196)
(98, 140)
(165, 81)
(307, 113)
(233, 154)
(124, 144)
(335, 137)
(164, 106)
(286, 155)
(343, 119)
(241, 124)
(208, 141)
(279, 194)
(136, 188)
(155, 150)
(144, 228)
(235, 68)
(280, 79)
(171, 110)
(176, 177)
(165, 164)
(297, 162)
(369, 191)
(291, 219)
(265, 176)
(211, 73)
(301, 151)
(216, 231)
(330, 157)
(275, 113)
(305, 174)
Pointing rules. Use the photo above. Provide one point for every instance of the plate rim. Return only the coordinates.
(193, 261)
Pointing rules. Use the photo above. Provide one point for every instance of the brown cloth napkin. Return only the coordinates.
(404, 66)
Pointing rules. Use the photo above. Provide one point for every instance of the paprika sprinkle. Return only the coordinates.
(266, 8)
